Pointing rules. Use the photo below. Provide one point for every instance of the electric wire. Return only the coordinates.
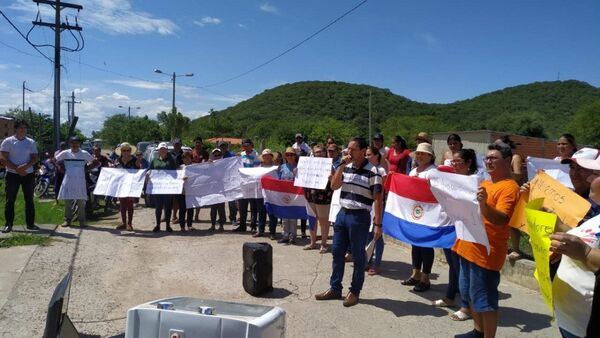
(23, 36)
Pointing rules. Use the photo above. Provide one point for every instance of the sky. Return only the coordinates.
(429, 51)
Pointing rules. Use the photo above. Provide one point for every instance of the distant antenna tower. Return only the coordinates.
(558, 77)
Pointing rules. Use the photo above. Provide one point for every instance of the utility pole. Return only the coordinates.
(25, 89)
(129, 120)
(71, 108)
(58, 27)
(173, 77)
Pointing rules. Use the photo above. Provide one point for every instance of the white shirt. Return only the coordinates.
(383, 151)
(302, 147)
(422, 174)
(70, 155)
(573, 285)
(19, 151)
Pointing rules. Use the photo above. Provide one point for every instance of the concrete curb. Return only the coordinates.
(519, 272)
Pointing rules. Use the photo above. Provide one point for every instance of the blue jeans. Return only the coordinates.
(378, 252)
(351, 227)
(478, 286)
(453, 272)
(566, 334)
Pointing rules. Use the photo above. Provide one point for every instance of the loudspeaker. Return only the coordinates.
(258, 268)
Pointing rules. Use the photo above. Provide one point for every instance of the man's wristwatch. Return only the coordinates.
(378, 225)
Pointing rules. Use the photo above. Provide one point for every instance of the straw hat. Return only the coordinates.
(290, 150)
(125, 145)
(425, 148)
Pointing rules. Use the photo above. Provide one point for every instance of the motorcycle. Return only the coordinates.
(44, 178)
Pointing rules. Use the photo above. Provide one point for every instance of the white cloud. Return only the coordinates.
(241, 25)
(113, 96)
(267, 7)
(207, 20)
(142, 84)
(111, 16)
(6, 66)
(430, 40)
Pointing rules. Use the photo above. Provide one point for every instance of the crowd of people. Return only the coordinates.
(359, 170)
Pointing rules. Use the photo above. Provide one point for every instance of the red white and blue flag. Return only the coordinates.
(284, 200)
(413, 215)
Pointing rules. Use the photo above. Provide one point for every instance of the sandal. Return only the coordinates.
(120, 227)
(310, 247)
(410, 282)
(460, 316)
(422, 287)
(441, 303)
(373, 271)
(323, 249)
(514, 256)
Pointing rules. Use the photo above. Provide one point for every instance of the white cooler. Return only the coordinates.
(187, 317)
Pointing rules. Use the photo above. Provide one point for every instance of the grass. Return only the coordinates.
(45, 212)
(18, 239)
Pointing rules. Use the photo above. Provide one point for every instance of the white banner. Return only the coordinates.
(250, 180)
(73, 186)
(313, 172)
(457, 194)
(335, 205)
(212, 183)
(554, 169)
(118, 182)
(165, 182)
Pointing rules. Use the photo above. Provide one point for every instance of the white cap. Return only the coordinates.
(583, 155)
(162, 145)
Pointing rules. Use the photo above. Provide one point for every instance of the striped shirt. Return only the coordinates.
(359, 185)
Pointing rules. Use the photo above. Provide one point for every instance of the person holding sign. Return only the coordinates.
(361, 190)
(566, 147)
(573, 290)
(249, 160)
(126, 161)
(74, 185)
(319, 201)
(163, 161)
(19, 153)
(480, 272)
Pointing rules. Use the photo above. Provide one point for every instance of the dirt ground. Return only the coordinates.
(114, 271)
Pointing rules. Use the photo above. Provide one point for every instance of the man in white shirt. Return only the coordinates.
(73, 188)
(300, 147)
(19, 153)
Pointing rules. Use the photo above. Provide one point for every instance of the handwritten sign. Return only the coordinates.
(313, 172)
(213, 183)
(554, 169)
(117, 182)
(250, 180)
(457, 194)
(518, 219)
(165, 182)
(73, 186)
(541, 225)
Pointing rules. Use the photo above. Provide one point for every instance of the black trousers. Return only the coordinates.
(186, 216)
(220, 209)
(12, 183)
(422, 258)
(244, 212)
(163, 202)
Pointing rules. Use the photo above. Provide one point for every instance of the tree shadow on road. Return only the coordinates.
(525, 321)
(405, 308)
(399, 270)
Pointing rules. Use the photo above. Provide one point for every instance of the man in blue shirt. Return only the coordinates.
(249, 160)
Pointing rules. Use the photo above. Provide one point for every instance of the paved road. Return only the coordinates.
(114, 271)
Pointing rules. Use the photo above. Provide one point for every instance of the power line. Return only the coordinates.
(24, 37)
(289, 49)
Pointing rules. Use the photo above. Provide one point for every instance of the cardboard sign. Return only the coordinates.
(313, 172)
(117, 182)
(165, 182)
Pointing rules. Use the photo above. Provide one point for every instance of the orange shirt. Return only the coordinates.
(502, 196)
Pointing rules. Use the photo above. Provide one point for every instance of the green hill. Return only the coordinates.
(321, 108)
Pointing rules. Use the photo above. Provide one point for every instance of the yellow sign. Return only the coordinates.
(566, 204)
(541, 225)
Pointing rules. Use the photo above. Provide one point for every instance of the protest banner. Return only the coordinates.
(335, 205)
(541, 226)
(284, 200)
(117, 182)
(554, 169)
(212, 183)
(566, 204)
(73, 186)
(250, 180)
(165, 182)
(457, 194)
(313, 172)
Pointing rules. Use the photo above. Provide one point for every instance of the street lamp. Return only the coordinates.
(129, 120)
(173, 76)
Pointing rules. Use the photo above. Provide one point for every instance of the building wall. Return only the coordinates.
(478, 140)
(6, 127)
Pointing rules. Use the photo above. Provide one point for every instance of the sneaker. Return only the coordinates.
(169, 229)
(283, 241)
(7, 229)
(33, 227)
(156, 229)
(66, 224)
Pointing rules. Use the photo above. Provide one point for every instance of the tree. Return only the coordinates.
(173, 123)
(119, 128)
(585, 124)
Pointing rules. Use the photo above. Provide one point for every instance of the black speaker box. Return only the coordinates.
(258, 268)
